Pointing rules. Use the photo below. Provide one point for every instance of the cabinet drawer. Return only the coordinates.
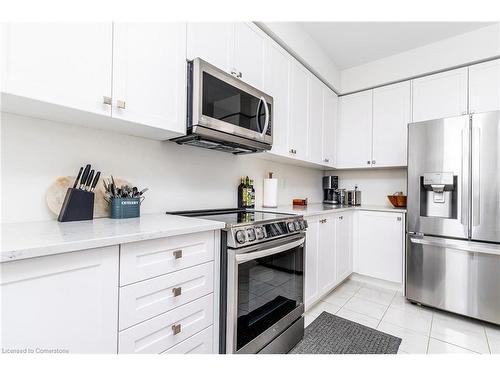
(143, 300)
(157, 334)
(201, 343)
(147, 259)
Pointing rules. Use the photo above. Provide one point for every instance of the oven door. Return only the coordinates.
(226, 104)
(265, 294)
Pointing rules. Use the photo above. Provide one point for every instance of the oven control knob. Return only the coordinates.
(291, 227)
(259, 232)
(297, 225)
(240, 236)
(251, 234)
(302, 225)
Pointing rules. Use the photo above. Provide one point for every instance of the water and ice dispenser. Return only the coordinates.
(438, 195)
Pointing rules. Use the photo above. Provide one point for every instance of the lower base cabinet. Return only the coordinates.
(66, 303)
(328, 259)
(380, 245)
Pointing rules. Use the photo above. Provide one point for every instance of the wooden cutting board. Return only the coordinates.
(57, 191)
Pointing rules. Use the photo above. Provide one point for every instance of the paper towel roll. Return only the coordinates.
(270, 192)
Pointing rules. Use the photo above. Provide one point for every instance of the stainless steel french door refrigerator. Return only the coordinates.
(453, 239)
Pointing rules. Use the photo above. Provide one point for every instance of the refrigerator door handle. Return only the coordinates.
(461, 245)
(476, 176)
(464, 180)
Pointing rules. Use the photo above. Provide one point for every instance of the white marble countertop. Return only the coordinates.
(34, 239)
(319, 208)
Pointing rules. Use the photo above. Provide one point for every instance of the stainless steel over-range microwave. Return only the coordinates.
(224, 113)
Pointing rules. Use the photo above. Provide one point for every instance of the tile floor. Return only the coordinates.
(422, 330)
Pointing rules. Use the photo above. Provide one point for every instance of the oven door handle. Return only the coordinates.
(245, 257)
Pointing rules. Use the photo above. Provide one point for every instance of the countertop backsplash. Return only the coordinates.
(34, 152)
(375, 184)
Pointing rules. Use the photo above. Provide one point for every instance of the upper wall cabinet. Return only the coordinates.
(276, 71)
(391, 115)
(128, 71)
(330, 104)
(440, 95)
(249, 46)
(297, 135)
(354, 131)
(212, 42)
(149, 83)
(484, 87)
(237, 48)
(315, 120)
(59, 63)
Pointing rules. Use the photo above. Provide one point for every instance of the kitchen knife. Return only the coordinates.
(96, 178)
(84, 176)
(78, 177)
(89, 180)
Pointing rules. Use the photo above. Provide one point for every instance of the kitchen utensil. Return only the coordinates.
(398, 199)
(96, 179)
(88, 183)
(85, 174)
(78, 177)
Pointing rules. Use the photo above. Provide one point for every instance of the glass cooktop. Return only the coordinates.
(235, 216)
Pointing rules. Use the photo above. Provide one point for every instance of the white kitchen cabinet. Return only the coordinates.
(391, 115)
(484, 87)
(354, 131)
(343, 246)
(212, 42)
(330, 104)
(297, 136)
(67, 64)
(149, 74)
(326, 255)
(380, 245)
(276, 71)
(249, 47)
(311, 287)
(67, 302)
(315, 120)
(440, 95)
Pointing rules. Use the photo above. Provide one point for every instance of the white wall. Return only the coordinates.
(375, 184)
(34, 152)
(462, 49)
(298, 42)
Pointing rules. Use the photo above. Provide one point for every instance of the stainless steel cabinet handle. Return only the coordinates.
(106, 100)
(177, 254)
(368, 162)
(233, 72)
(399, 219)
(341, 218)
(176, 328)
(373, 162)
(177, 291)
(120, 104)
(326, 160)
(240, 75)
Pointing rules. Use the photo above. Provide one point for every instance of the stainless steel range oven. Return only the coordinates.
(265, 300)
(262, 280)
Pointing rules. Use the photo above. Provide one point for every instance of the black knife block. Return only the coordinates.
(78, 205)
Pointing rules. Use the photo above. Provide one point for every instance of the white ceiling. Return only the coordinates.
(355, 43)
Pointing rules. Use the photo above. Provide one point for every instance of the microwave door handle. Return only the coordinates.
(257, 116)
(263, 100)
(245, 257)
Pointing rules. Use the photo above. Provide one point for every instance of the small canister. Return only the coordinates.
(341, 194)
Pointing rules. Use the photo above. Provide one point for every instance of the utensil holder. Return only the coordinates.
(125, 208)
(78, 205)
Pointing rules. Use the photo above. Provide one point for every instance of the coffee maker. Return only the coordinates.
(330, 189)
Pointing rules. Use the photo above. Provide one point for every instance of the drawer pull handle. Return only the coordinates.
(176, 328)
(178, 254)
(177, 291)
